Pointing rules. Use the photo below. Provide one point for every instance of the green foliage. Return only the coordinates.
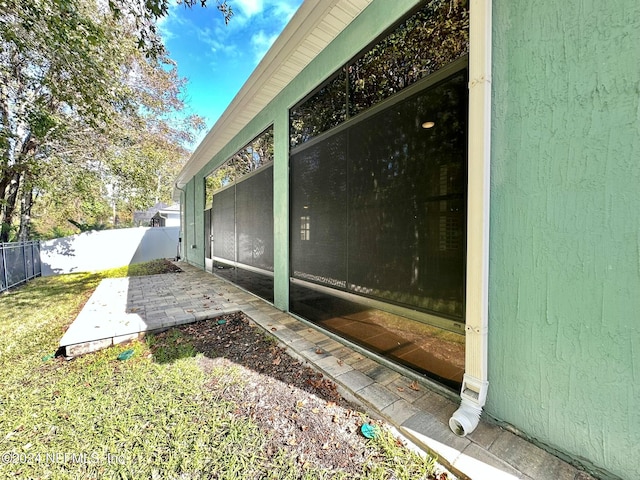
(395, 461)
(144, 20)
(171, 347)
(57, 232)
(257, 153)
(42, 122)
(87, 227)
(430, 39)
(433, 37)
(90, 113)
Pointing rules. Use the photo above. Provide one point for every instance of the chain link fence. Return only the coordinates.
(19, 262)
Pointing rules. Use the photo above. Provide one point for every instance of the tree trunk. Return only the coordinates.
(12, 178)
(9, 206)
(25, 214)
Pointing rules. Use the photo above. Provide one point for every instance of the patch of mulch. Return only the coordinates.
(302, 411)
(169, 266)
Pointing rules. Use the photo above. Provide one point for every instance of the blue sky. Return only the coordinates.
(216, 58)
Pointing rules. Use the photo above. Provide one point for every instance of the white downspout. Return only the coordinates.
(475, 383)
(183, 230)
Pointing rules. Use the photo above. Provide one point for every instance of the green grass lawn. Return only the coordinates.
(98, 417)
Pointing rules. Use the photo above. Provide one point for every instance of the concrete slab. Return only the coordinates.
(383, 374)
(121, 309)
(485, 434)
(285, 335)
(484, 464)
(301, 344)
(333, 365)
(83, 348)
(436, 434)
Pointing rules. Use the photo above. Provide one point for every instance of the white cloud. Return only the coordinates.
(206, 37)
(261, 42)
(200, 36)
(252, 30)
(170, 22)
(249, 7)
(274, 15)
(285, 9)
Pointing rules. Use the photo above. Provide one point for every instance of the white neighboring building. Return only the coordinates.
(166, 217)
(160, 215)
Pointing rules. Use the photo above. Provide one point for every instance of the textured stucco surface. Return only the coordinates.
(192, 245)
(564, 333)
(281, 211)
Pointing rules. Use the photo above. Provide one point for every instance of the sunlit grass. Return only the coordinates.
(152, 416)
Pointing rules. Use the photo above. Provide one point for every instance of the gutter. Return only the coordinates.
(475, 380)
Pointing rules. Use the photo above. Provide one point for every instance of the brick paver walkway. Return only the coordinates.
(124, 308)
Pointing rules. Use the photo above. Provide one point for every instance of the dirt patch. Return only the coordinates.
(169, 266)
(301, 411)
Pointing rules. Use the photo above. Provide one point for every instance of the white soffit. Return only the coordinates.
(312, 28)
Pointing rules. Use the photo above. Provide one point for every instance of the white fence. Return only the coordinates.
(100, 250)
(19, 262)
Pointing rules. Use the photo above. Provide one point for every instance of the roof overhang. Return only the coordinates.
(311, 29)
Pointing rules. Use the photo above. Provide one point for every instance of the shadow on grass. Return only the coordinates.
(169, 346)
(235, 338)
(44, 292)
(47, 290)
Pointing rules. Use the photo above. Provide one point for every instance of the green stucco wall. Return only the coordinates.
(281, 211)
(564, 333)
(199, 238)
(191, 245)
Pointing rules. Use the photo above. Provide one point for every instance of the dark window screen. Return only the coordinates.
(391, 191)
(223, 228)
(253, 281)
(319, 212)
(406, 201)
(242, 229)
(254, 220)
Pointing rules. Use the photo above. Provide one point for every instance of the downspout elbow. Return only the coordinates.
(465, 419)
(473, 396)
